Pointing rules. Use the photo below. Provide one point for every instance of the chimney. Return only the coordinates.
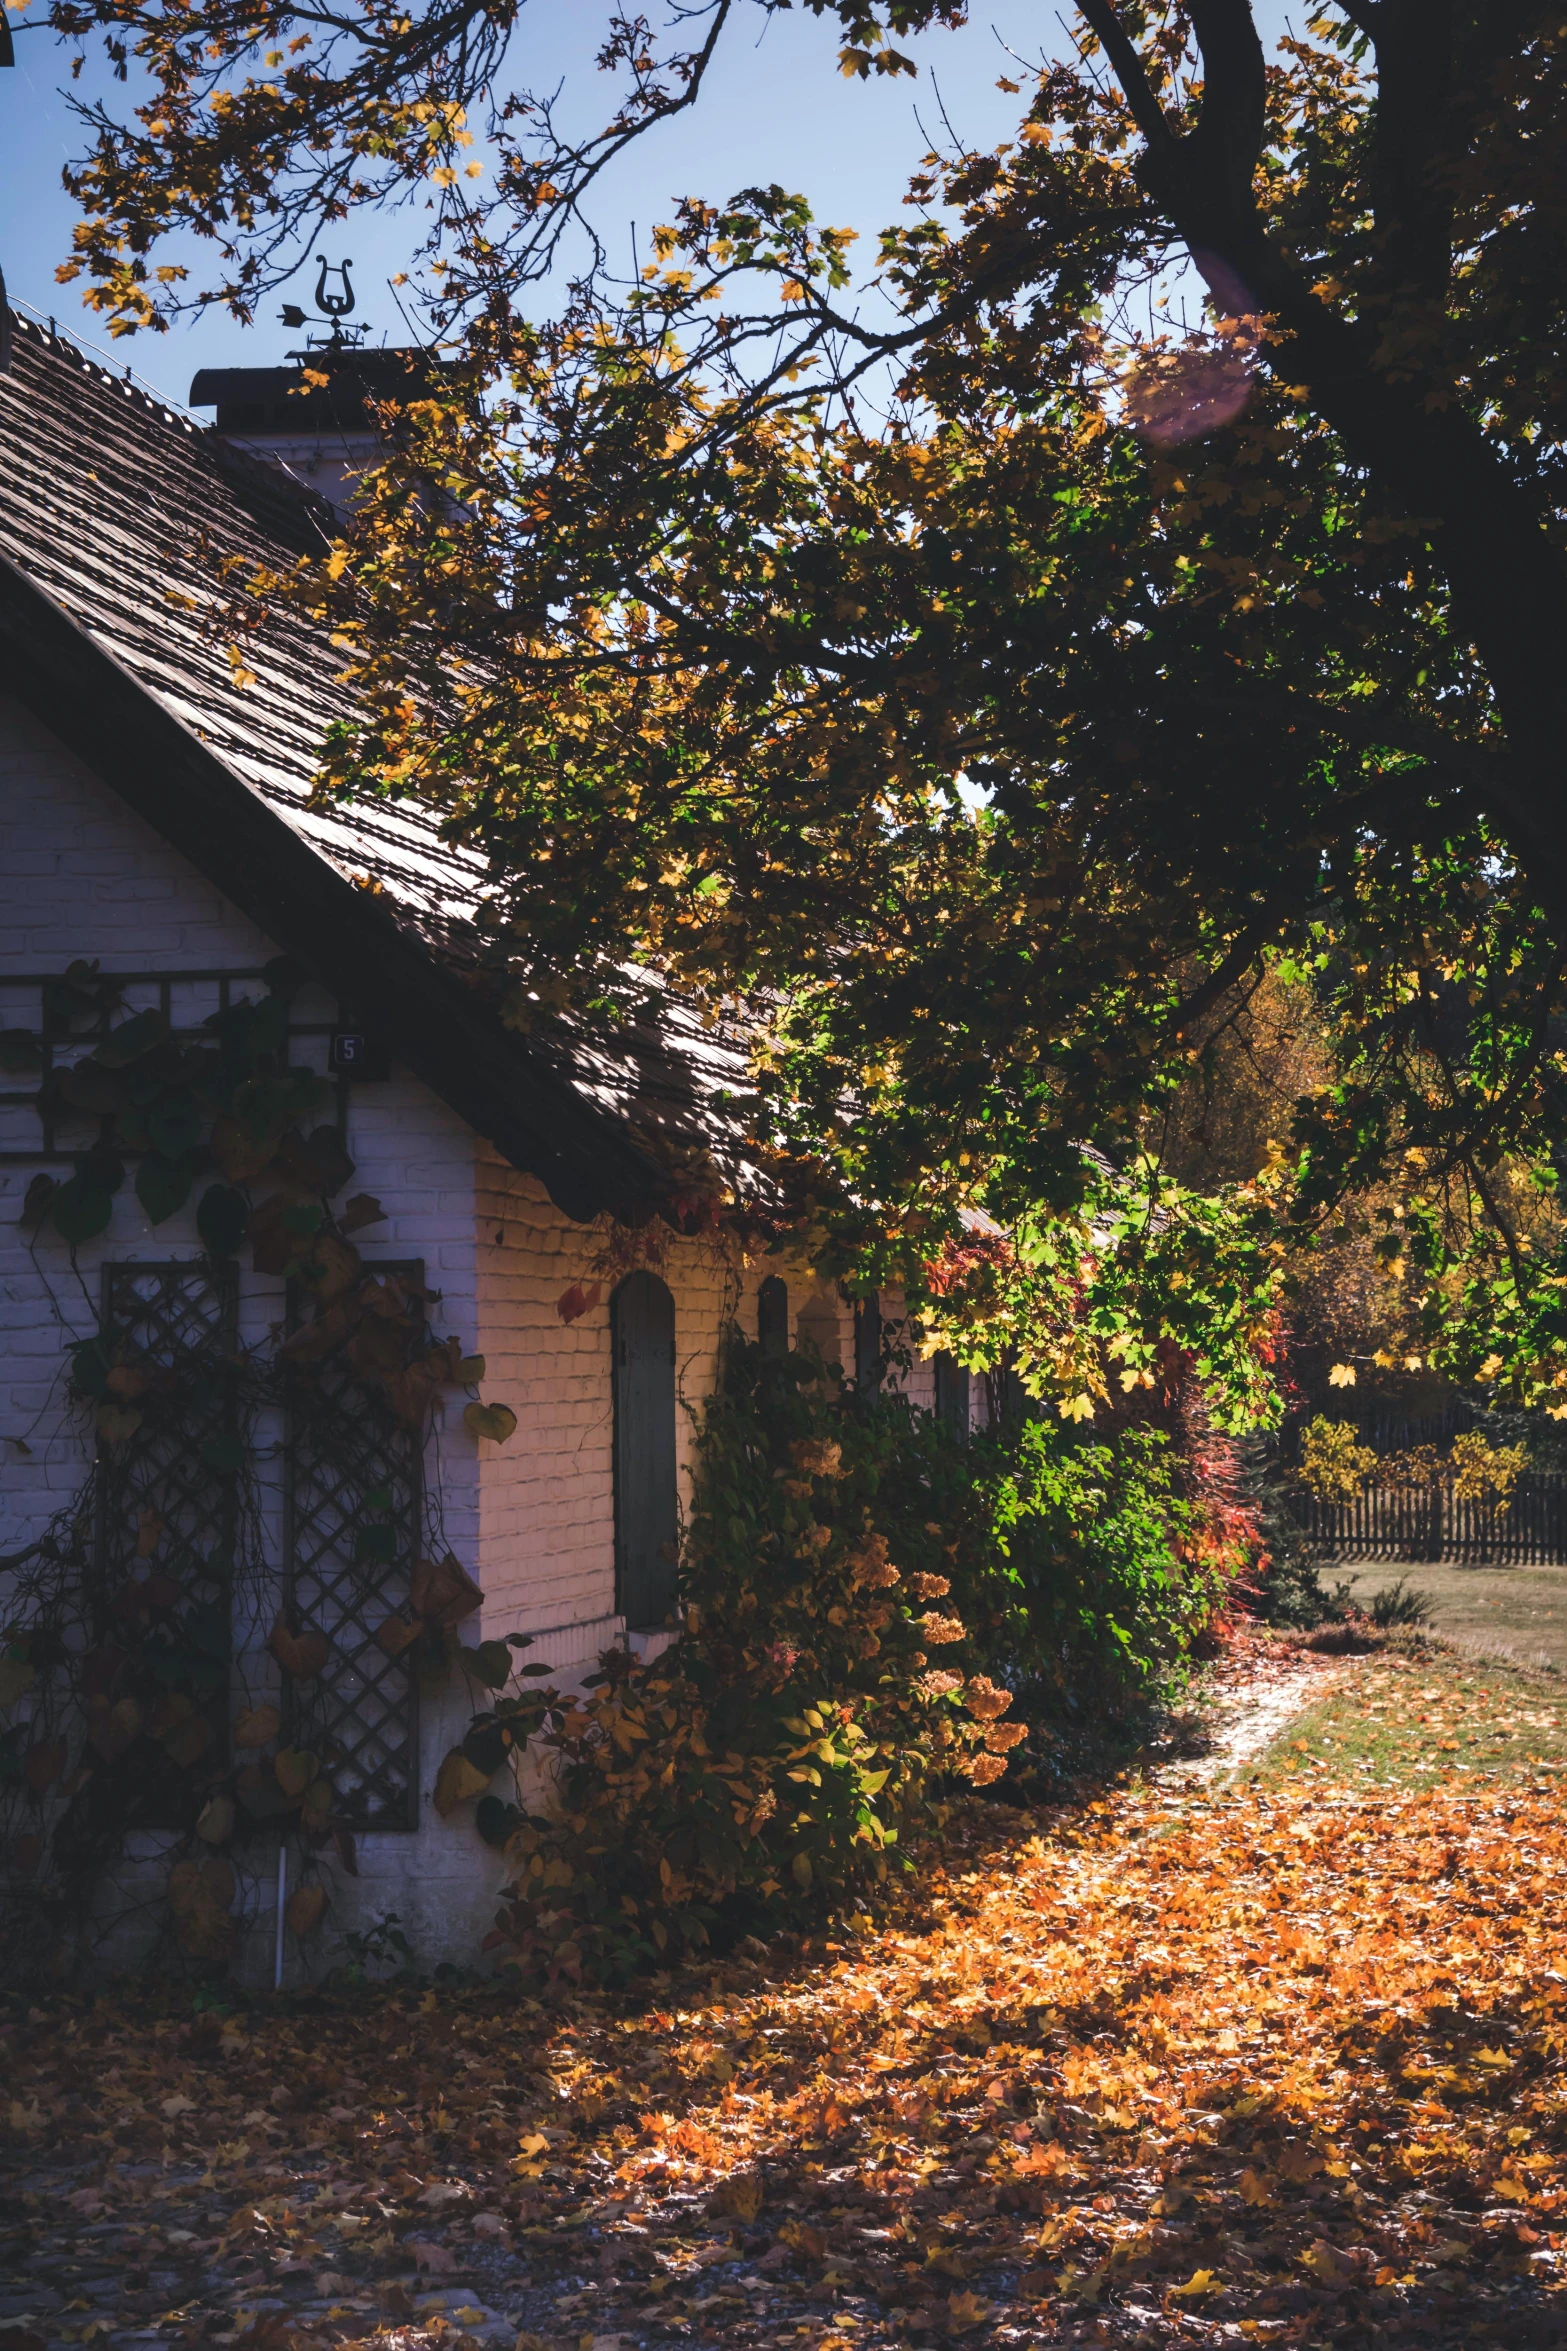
(322, 434)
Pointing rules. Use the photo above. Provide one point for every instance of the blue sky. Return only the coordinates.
(777, 110)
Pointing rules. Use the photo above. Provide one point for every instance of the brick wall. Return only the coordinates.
(81, 875)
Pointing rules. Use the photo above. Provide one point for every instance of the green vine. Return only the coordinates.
(118, 1652)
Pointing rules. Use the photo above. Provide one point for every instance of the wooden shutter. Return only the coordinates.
(952, 1403)
(867, 1342)
(642, 1333)
(772, 1319)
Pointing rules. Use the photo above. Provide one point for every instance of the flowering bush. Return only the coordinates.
(774, 1754)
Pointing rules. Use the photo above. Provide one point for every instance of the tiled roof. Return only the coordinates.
(121, 512)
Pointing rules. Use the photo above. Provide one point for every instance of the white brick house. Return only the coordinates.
(154, 818)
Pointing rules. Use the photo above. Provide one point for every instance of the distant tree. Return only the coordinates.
(1000, 673)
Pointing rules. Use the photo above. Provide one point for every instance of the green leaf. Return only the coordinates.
(82, 1208)
(162, 1185)
(35, 1207)
(175, 1124)
(495, 1819)
(131, 1040)
(486, 1747)
(490, 1663)
(89, 1086)
(20, 1053)
(89, 1367)
(220, 1219)
(225, 1454)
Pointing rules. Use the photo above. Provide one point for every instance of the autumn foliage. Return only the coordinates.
(1289, 2063)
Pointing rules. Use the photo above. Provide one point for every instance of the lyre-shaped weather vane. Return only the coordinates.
(331, 304)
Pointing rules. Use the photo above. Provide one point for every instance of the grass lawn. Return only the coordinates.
(1419, 1713)
(1520, 1611)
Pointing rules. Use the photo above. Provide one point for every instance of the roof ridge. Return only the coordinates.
(228, 457)
(92, 361)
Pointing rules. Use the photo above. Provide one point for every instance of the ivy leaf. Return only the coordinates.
(257, 1726)
(305, 1909)
(35, 1206)
(216, 1824)
(397, 1633)
(90, 1087)
(360, 1211)
(490, 1663)
(117, 1423)
(82, 1208)
(89, 1368)
(487, 1746)
(301, 1654)
(456, 1781)
(175, 1124)
(132, 1039)
(295, 1767)
(495, 1819)
(20, 1053)
(162, 1185)
(220, 1220)
(576, 1301)
(495, 1421)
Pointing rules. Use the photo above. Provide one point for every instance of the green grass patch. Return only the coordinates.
(1418, 1712)
(1519, 1612)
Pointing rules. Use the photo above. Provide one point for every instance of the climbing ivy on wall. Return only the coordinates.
(123, 1644)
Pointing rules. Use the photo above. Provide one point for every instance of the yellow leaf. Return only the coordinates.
(295, 1767)
(495, 1421)
(305, 1909)
(1201, 2281)
(456, 1781)
(217, 1820)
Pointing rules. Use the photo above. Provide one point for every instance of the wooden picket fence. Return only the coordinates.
(1431, 1523)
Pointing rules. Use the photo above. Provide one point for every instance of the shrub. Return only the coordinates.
(822, 1688)
(862, 1596)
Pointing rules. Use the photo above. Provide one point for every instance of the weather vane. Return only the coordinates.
(333, 305)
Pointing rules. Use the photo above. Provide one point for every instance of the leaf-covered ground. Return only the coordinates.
(1284, 2062)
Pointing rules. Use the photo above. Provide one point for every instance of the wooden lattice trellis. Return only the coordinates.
(353, 1506)
(172, 1325)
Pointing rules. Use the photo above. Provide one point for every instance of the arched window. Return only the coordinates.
(642, 1333)
(952, 1403)
(867, 1342)
(772, 1319)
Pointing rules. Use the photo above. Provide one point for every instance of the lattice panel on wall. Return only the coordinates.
(352, 1521)
(169, 1333)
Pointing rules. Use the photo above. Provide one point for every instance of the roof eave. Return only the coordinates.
(451, 1039)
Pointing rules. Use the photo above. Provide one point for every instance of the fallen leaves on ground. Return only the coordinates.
(1268, 2065)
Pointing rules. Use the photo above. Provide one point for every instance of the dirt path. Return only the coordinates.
(1250, 1701)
